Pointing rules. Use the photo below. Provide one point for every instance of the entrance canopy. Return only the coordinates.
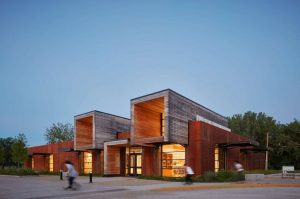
(246, 145)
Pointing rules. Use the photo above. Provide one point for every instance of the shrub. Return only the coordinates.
(15, 171)
(221, 176)
(175, 179)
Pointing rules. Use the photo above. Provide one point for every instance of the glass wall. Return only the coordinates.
(173, 159)
(87, 162)
(51, 163)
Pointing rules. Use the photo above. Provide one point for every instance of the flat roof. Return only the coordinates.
(170, 90)
(102, 113)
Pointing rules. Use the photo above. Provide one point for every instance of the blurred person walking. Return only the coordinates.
(71, 174)
(189, 173)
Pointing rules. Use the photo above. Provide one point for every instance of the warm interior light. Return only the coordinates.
(87, 162)
(173, 159)
(51, 163)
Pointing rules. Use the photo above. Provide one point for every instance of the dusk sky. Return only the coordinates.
(59, 59)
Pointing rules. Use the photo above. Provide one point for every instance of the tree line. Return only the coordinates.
(284, 139)
(13, 151)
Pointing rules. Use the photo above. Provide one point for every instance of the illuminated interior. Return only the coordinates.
(173, 159)
(32, 162)
(51, 163)
(134, 155)
(217, 161)
(87, 162)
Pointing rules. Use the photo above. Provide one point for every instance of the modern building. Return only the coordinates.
(166, 130)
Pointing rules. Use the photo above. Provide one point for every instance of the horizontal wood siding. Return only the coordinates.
(146, 116)
(107, 126)
(147, 123)
(84, 132)
(182, 110)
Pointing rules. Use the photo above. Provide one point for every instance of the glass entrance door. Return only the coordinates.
(135, 164)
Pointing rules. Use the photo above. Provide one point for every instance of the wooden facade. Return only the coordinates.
(94, 128)
(177, 110)
(160, 122)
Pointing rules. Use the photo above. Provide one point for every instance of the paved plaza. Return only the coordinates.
(272, 186)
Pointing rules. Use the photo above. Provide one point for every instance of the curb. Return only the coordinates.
(183, 188)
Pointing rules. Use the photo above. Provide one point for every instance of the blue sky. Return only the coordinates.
(63, 58)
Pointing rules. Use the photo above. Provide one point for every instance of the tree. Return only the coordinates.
(284, 139)
(253, 125)
(1, 155)
(18, 148)
(59, 132)
(5, 144)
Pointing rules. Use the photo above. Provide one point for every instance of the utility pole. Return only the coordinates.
(267, 152)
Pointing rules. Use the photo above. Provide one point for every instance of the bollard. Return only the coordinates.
(91, 177)
(61, 174)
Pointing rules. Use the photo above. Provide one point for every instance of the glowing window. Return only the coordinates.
(87, 162)
(51, 163)
(173, 159)
(217, 161)
(32, 163)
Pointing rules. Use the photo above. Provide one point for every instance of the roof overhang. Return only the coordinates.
(238, 144)
(39, 153)
(255, 149)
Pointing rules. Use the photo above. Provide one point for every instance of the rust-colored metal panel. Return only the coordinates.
(203, 138)
(123, 135)
(113, 160)
(150, 161)
(60, 151)
(193, 149)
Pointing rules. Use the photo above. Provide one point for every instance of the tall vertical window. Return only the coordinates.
(217, 160)
(51, 163)
(87, 162)
(162, 124)
(173, 159)
(32, 162)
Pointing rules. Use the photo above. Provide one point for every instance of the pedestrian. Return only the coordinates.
(188, 174)
(71, 174)
(238, 166)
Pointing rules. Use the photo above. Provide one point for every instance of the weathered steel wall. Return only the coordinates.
(41, 161)
(150, 161)
(204, 137)
(113, 160)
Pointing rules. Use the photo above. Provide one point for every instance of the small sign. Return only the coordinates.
(286, 169)
(288, 172)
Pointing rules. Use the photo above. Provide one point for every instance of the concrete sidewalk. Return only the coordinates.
(52, 187)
